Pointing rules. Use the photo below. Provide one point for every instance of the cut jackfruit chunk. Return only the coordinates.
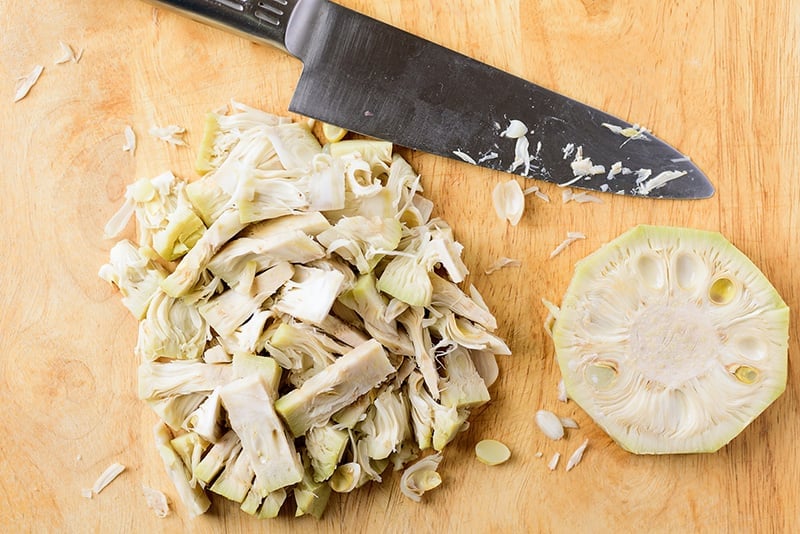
(294, 246)
(377, 154)
(245, 364)
(311, 223)
(188, 271)
(172, 329)
(159, 380)
(365, 299)
(190, 447)
(236, 479)
(272, 453)
(182, 230)
(264, 507)
(271, 505)
(325, 446)
(230, 309)
(672, 340)
(202, 163)
(217, 457)
(208, 199)
(191, 494)
(309, 295)
(332, 132)
(310, 496)
(361, 240)
(463, 387)
(335, 387)
(137, 276)
(386, 425)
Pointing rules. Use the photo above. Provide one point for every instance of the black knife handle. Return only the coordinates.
(264, 21)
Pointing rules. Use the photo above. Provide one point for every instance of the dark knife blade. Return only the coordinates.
(374, 79)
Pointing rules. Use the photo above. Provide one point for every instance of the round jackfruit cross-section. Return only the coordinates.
(672, 340)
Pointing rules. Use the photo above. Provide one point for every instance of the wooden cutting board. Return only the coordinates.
(718, 80)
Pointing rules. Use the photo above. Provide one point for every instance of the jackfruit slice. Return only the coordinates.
(325, 446)
(337, 386)
(311, 496)
(672, 340)
(273, 457)
(192, 495)
(236, 480)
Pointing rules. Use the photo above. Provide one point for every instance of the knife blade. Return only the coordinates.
(374, 79)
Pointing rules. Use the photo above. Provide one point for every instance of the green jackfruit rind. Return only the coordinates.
(594, 281)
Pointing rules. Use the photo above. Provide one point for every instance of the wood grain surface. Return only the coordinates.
(719, 80)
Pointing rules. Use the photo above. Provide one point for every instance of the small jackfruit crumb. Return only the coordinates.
(577, 455)
(421, 477)
(171, 134)
(25, 83)
(105, 478)
(501, 263)
(492, 452)
(156, 501)
(509, 201)
(554, 461)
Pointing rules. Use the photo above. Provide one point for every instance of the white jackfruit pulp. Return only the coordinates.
(672, 340)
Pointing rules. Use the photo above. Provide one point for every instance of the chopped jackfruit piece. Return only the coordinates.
(309, 295)
(190, 447)
(325, 446)
(135, 275)
(311, 223)
(365, 299)
(433, 424)
(246, 364)
(421, 477)
(302, 350)
(207, 420)
(171, 329)
(182, 230)
(230, 309)
(264, 251)
(386, 425)
(271, 452)
(462, 386)
(339, 384)
(235, 481)
(176, 409)
(217, 457)
(192, 496)
(311, 496)
(362, 241)
(158, 380)
(411, 319)
(194, 262)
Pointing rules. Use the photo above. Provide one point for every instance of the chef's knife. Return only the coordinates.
(374, 79)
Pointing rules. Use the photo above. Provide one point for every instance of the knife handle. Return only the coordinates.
(264, 21)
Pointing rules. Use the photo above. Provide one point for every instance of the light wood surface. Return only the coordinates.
(717, 79)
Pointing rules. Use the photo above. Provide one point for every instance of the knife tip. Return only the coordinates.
(705, 189)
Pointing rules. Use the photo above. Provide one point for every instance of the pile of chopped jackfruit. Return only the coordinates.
(301, 323)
